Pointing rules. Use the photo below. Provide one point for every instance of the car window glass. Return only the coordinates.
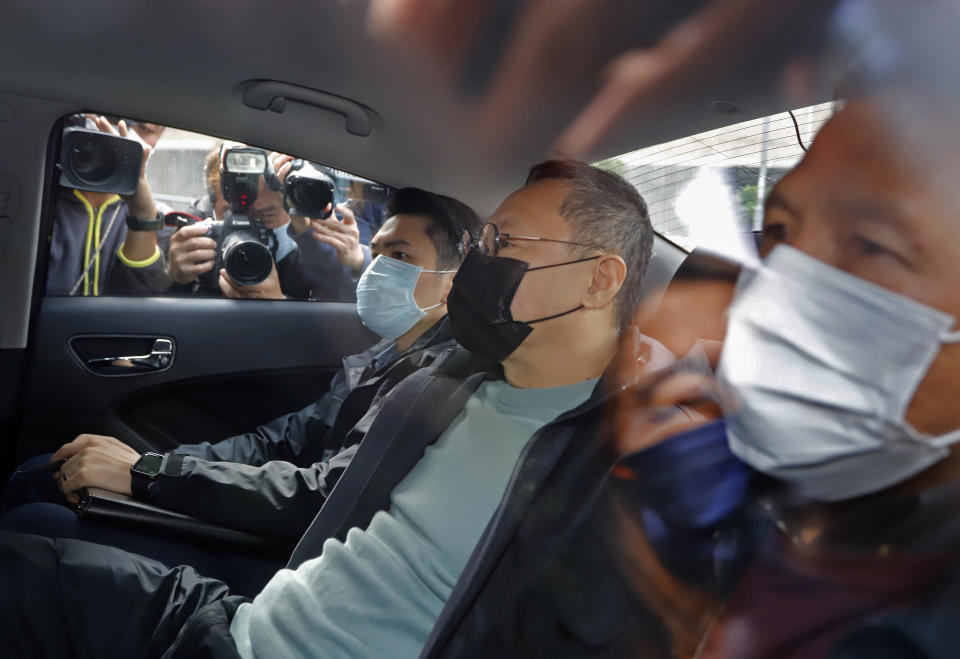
(208, 218)
(705, 189)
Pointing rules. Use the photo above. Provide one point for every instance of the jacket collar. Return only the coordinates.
(356, 366)
(440, 332)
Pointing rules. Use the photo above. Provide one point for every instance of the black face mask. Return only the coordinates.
(479, 305)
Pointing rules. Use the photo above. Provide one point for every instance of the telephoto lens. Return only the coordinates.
(99, 162)
(90, 163)
(247, 260)
(311, 193)
(308, 191)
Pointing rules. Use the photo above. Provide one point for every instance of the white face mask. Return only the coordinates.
(385, 296)
(821, 366)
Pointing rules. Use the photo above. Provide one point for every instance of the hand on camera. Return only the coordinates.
(282, 167)
(342, 235)
(268, 289)
(192, 253)
(94, 461)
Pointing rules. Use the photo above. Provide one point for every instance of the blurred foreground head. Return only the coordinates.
(841, 347)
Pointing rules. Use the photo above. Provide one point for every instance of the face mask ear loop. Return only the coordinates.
(435, 272)
(950, 337)
(946, 440)
(556, 315)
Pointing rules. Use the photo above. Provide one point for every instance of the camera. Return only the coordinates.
(96, 161)
(307, 191)
(245, 245)
(245, 248)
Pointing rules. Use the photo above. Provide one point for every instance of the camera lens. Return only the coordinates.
(93, 162)
(247, 262)
(308, 193)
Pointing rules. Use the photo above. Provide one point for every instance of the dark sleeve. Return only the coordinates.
(277, 498)
(298, 437)
(322, 272)
(204, 285)
(145, 277)
(687, 493)
(292, 281)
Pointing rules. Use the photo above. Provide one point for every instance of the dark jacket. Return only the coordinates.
(545, 579)
(542, 581)
(77, 228)
(272, 481)
(537, 583)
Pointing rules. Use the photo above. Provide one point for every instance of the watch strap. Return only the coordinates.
(136, 224)
(140, 482)
(139, 486)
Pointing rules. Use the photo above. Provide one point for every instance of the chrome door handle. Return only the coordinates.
(160, 357)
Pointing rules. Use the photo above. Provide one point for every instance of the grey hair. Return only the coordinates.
(604, 210)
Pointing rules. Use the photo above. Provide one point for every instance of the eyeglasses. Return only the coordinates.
(491, 241)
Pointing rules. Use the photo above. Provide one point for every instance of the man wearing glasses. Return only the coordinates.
(480, 440)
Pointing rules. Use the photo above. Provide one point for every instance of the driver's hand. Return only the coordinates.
(94, 461)
(281, 165)
(342, 235)
(268, 289)
(192, 253)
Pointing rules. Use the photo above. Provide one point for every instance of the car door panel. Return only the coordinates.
(235, 364)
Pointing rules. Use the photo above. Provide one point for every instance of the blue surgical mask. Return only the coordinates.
(385, 296)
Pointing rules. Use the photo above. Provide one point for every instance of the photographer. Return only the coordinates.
(211, 204)
(193, 252)
(333, 250)
(103, 243)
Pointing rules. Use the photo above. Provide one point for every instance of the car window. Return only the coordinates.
(707, 189)
(206, 218)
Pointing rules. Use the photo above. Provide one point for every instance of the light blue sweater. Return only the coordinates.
(380, 593)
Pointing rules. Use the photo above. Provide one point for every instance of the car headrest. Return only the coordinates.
(701, 264)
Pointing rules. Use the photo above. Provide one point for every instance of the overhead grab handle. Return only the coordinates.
(273, 95)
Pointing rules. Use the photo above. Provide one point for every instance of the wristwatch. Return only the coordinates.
(143, 472)
(136, 224)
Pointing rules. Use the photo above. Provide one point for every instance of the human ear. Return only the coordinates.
(609, 274)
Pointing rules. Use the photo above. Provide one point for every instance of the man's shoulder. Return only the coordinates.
(438, 348)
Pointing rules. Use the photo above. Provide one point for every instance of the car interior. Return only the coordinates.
(302, 79)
